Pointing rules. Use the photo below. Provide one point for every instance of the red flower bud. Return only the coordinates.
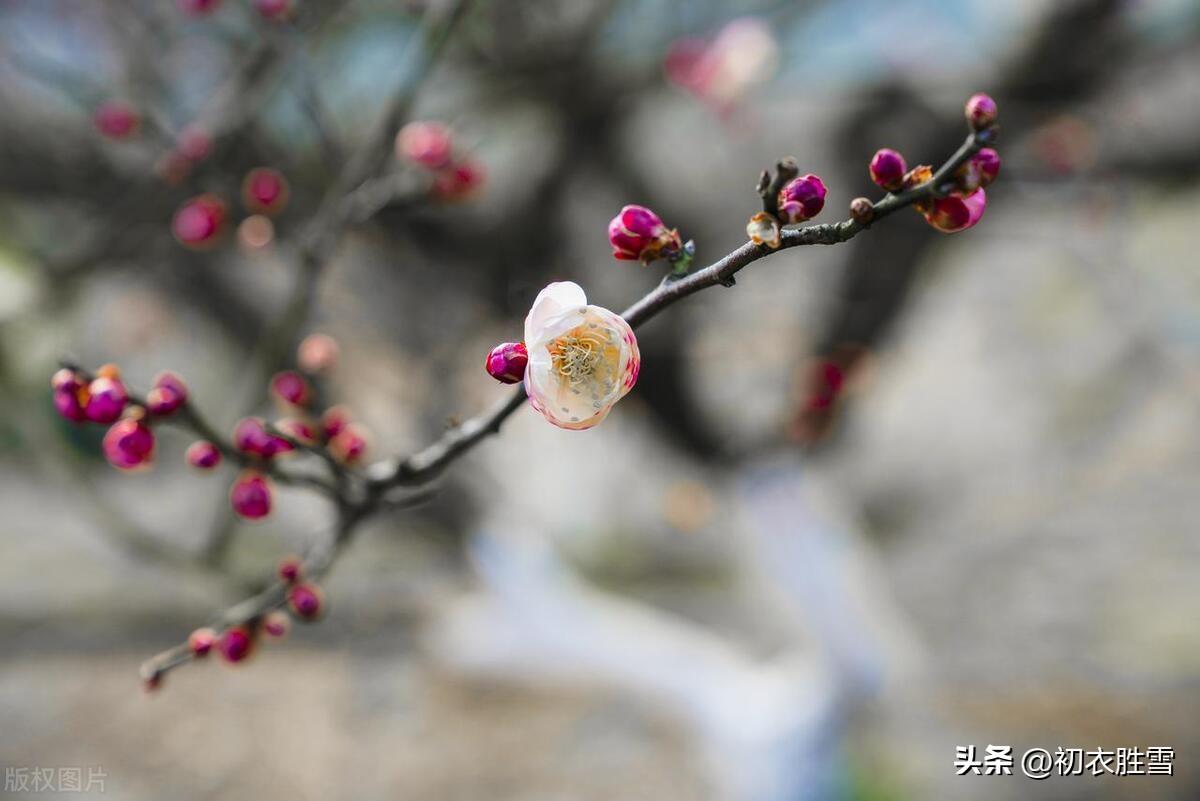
(334, 420)
(128, 444)
(801, 199)
(290, 569)
(265, 191)
(317, 354)
(306, 601)
(116, 119)
(638, 234)
(199, 222)
(168, 394)
(201, 641)
(458, 181)
(106, 399)
(236, 644)
(350, 444)
(203, 455)
(70, 395)
(427, 144)
(250, 495)
(954, 213)
(298, 430)
(980, 111)
(194, 143)
(291, 387)
(887, 169)
(250, 435)
(276, 624)
(506, 362)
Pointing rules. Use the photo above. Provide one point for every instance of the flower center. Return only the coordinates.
(577, 354)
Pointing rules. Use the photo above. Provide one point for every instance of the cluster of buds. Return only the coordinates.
(430, 145)
(129, 442)
(788, 198)
(964, 204)
(200, 221)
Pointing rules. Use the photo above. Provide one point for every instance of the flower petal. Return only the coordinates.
(557, 299)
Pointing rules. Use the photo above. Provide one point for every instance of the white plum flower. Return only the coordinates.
(582, 359)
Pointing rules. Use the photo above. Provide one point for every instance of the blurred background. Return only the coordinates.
(878, 501)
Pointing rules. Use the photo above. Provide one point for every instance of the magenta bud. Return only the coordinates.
(203, 455)
(350, 444)
(276, 624)
(427, 144)
(334, 421)
(128, 444)
(265, 191)
(887, 169)
(197, 8)
(274, 10)
(458, 181)
(70, 395)
(236, 644)
(194, 143)
(980, 111)
(116, 119)
(250, 435)
(954, 213)
(291, 568)
(317, 354)
(306, 601)
(250, 495)
(199, 222)
(291, 387)
(506, 362)
(106, 399)
(298, 430)
(987, 160)
(168, 394)
(201, 641)
(801, 199)
(638, 234)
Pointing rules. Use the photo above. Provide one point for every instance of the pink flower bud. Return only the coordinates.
(987, 161)
(128, 444)
(298, 430)
(317, 354)
(980, 111)
(265, 191)
(250, 495)
(802, 199)
(274, 10)
(199, 221)
(203, 455)
(458, 181)
(334, 421)
(276, 624)
(194, 143)
(290, 569)
(70, 395)
(201, 641)
(250, 435)
(306, 601)
(236, 644)
(197, 8)
(638, 234)
(427, 144)
(168, 394)
(887, 169)
(106, 399)
(763, 229)
(291, 387)
(350, 444)
(953, 213)
(506, 362)
(116, 119)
